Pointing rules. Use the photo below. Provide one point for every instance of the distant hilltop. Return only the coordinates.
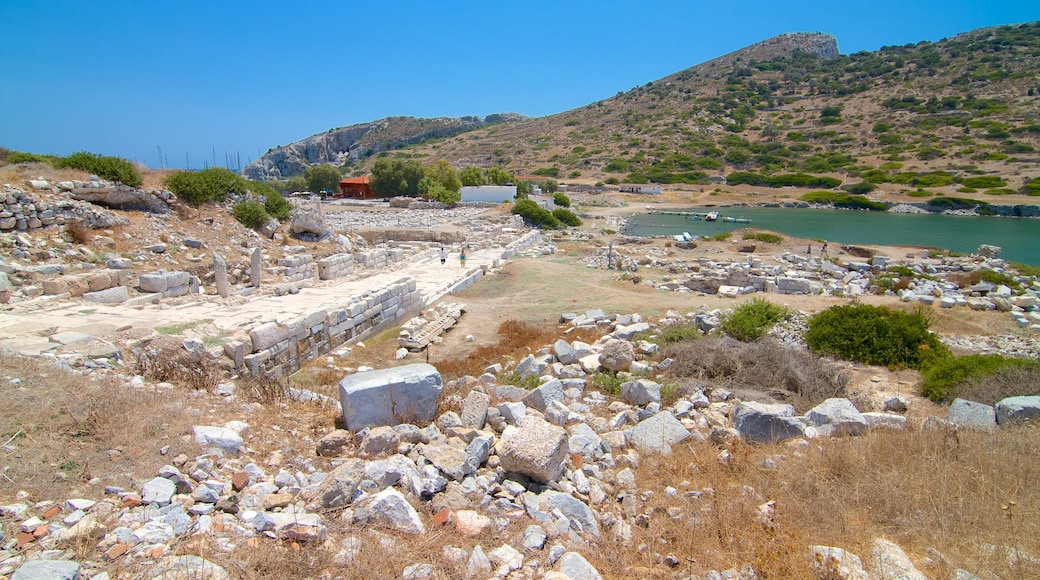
(348, 144)
(817, 44)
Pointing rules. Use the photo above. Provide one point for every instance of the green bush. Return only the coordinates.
(860, 188)
(843, 200)
(535, 214)
(275, 203)
(940, 377)
(607, 383)
(983, 182)
(566, 217)
(766, 237)
(209, 185)
(719, 237)
(673, 333)
(561, 199)
(22, 157)
(874, 335)
(110, 168)
(783, 180)
(250, 213)
(752, 319)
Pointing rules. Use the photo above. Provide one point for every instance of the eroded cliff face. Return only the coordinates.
(348, 144)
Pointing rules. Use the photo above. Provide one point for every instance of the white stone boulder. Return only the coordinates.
(536, 448)
(965, 413)
(405, 394)
(837, 417)
(1018, 409)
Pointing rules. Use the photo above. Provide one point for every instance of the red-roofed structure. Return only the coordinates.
(355, 187)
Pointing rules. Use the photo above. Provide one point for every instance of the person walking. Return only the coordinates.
(823, 251)
(808, 252)
(462, 257)
(444, 255)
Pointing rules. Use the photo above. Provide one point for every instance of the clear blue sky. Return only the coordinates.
(125, 77)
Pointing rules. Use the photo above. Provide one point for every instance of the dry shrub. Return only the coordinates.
(763, 369)
(265, 389)
(166, 360)
(516, 339)
(275, 560)
(989, 389)
(79, 232)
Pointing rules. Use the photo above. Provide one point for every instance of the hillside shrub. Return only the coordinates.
(566, 217)
(23, 157)
(782, 180)
(105, 167)
(752, 319)
(250, 213)
(874, 335)
(983, 182)
(861, 188)
(766, 237)
(843, 200)
(942, 378)
(561, 199)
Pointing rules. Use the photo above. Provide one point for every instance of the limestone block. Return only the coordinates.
(406, 394)
(765, 423)
(536, 449)
(965, 413)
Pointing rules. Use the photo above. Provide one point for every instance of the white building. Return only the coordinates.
(648, 188)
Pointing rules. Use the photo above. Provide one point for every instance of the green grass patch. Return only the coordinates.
(719, 237)
(766, 237)
(177, 329)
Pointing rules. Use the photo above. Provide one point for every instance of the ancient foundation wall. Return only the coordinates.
(278, 349)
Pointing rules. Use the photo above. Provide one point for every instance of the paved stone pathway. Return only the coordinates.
(27, 327)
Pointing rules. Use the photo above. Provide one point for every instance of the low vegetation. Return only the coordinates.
(843, 200)
(752, 319)
(766, 237)
(983, 378)
(874, 335)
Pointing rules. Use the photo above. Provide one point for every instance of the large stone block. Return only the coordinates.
(965, 413)
(837, 417)
(764, 423)
(1018, 409)
(406, 394)
(536, 449)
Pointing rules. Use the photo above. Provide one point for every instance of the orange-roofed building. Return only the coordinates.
(355, 187)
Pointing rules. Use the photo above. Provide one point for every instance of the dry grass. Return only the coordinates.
(760, 370)
(516, 340)
(79, 232)
(64, 429)
(990, 389)
(960, 494)
(166, 360)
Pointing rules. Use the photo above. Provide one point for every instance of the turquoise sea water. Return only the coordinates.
(1019, 237)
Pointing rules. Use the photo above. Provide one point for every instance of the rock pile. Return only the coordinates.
(554, 461)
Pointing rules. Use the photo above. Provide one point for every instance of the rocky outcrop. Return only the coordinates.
(348, 144)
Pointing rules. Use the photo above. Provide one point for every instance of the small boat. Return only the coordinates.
(686, 236)
(734, 220)
(694, 218)
(712, 216)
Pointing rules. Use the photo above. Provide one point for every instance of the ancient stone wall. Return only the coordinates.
(278, 349)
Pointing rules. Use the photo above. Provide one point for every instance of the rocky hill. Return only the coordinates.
(347, 145)
(918, 116)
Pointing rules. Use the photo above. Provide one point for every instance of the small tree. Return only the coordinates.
(472, 176)
(499, 176)
(321, 178)
(433, 190)
(442, 172)
(396, 177)
(561, 200)
(549, 186)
